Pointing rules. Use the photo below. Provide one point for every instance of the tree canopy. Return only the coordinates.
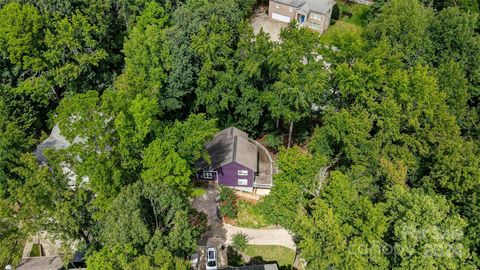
(380, 128)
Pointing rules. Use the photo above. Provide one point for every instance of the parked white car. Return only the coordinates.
(211, 258)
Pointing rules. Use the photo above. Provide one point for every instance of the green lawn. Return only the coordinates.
(359, 13)
(354, 23)
(249, 216)
(338, 27)
(36, 251)
(283, 256)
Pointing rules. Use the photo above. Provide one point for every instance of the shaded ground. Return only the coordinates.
(263, 254)
(208, 204)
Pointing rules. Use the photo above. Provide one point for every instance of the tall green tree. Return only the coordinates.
(433, 241)
(342, 229)
(405, 25)
(147, 60)
(301, 82)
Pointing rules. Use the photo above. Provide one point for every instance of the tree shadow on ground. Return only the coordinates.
(260, 260)
(234, 258)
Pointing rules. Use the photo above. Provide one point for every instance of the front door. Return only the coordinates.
(301, 18)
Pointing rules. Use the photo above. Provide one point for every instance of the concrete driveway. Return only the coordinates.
(262, 21)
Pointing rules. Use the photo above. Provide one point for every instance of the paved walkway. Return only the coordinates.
(207, 204)
(277, 237)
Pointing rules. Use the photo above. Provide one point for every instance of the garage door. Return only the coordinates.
(280, 17)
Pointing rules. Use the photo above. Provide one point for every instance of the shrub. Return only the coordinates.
(240, 241)
(228, 203)
(335, 12)
(228, 209)
(227, 194)
(273, 141)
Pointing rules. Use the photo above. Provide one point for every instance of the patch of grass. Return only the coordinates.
(260, 254)
(354, 13)
(249, 216)
(240, 241)
(36, 250)
(337, 28)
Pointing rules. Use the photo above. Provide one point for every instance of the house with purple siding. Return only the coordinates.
(234, 161)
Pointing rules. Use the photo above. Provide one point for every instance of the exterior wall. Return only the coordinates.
(282, 9)
(322, 21)
(228, 176)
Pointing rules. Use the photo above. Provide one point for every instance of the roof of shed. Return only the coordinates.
(232, 145)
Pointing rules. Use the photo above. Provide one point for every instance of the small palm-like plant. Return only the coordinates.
(240, 241)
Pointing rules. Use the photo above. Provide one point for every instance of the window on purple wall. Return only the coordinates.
(242, 182)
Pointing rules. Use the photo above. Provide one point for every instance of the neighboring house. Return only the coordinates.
(314, 14)
(56, 141)
(41, 263)
(269, 266)
(237, 162)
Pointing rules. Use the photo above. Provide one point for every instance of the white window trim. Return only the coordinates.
(207, 173)
(242, 172)
(242, 182)
(315, 25)
(315, 16)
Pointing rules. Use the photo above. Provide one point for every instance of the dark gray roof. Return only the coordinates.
(40, 263)
(55, 141)
(293, 3)
(270, 266)
(305, 6)
(232, 145)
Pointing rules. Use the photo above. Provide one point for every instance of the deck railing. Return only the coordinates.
(270, 162)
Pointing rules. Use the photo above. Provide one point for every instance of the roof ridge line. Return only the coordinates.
(234, 156)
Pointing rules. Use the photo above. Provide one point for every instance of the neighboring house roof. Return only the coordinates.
(55, 141)
(305, 6)
(270, 266)
(40, 263)
(232, 145)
